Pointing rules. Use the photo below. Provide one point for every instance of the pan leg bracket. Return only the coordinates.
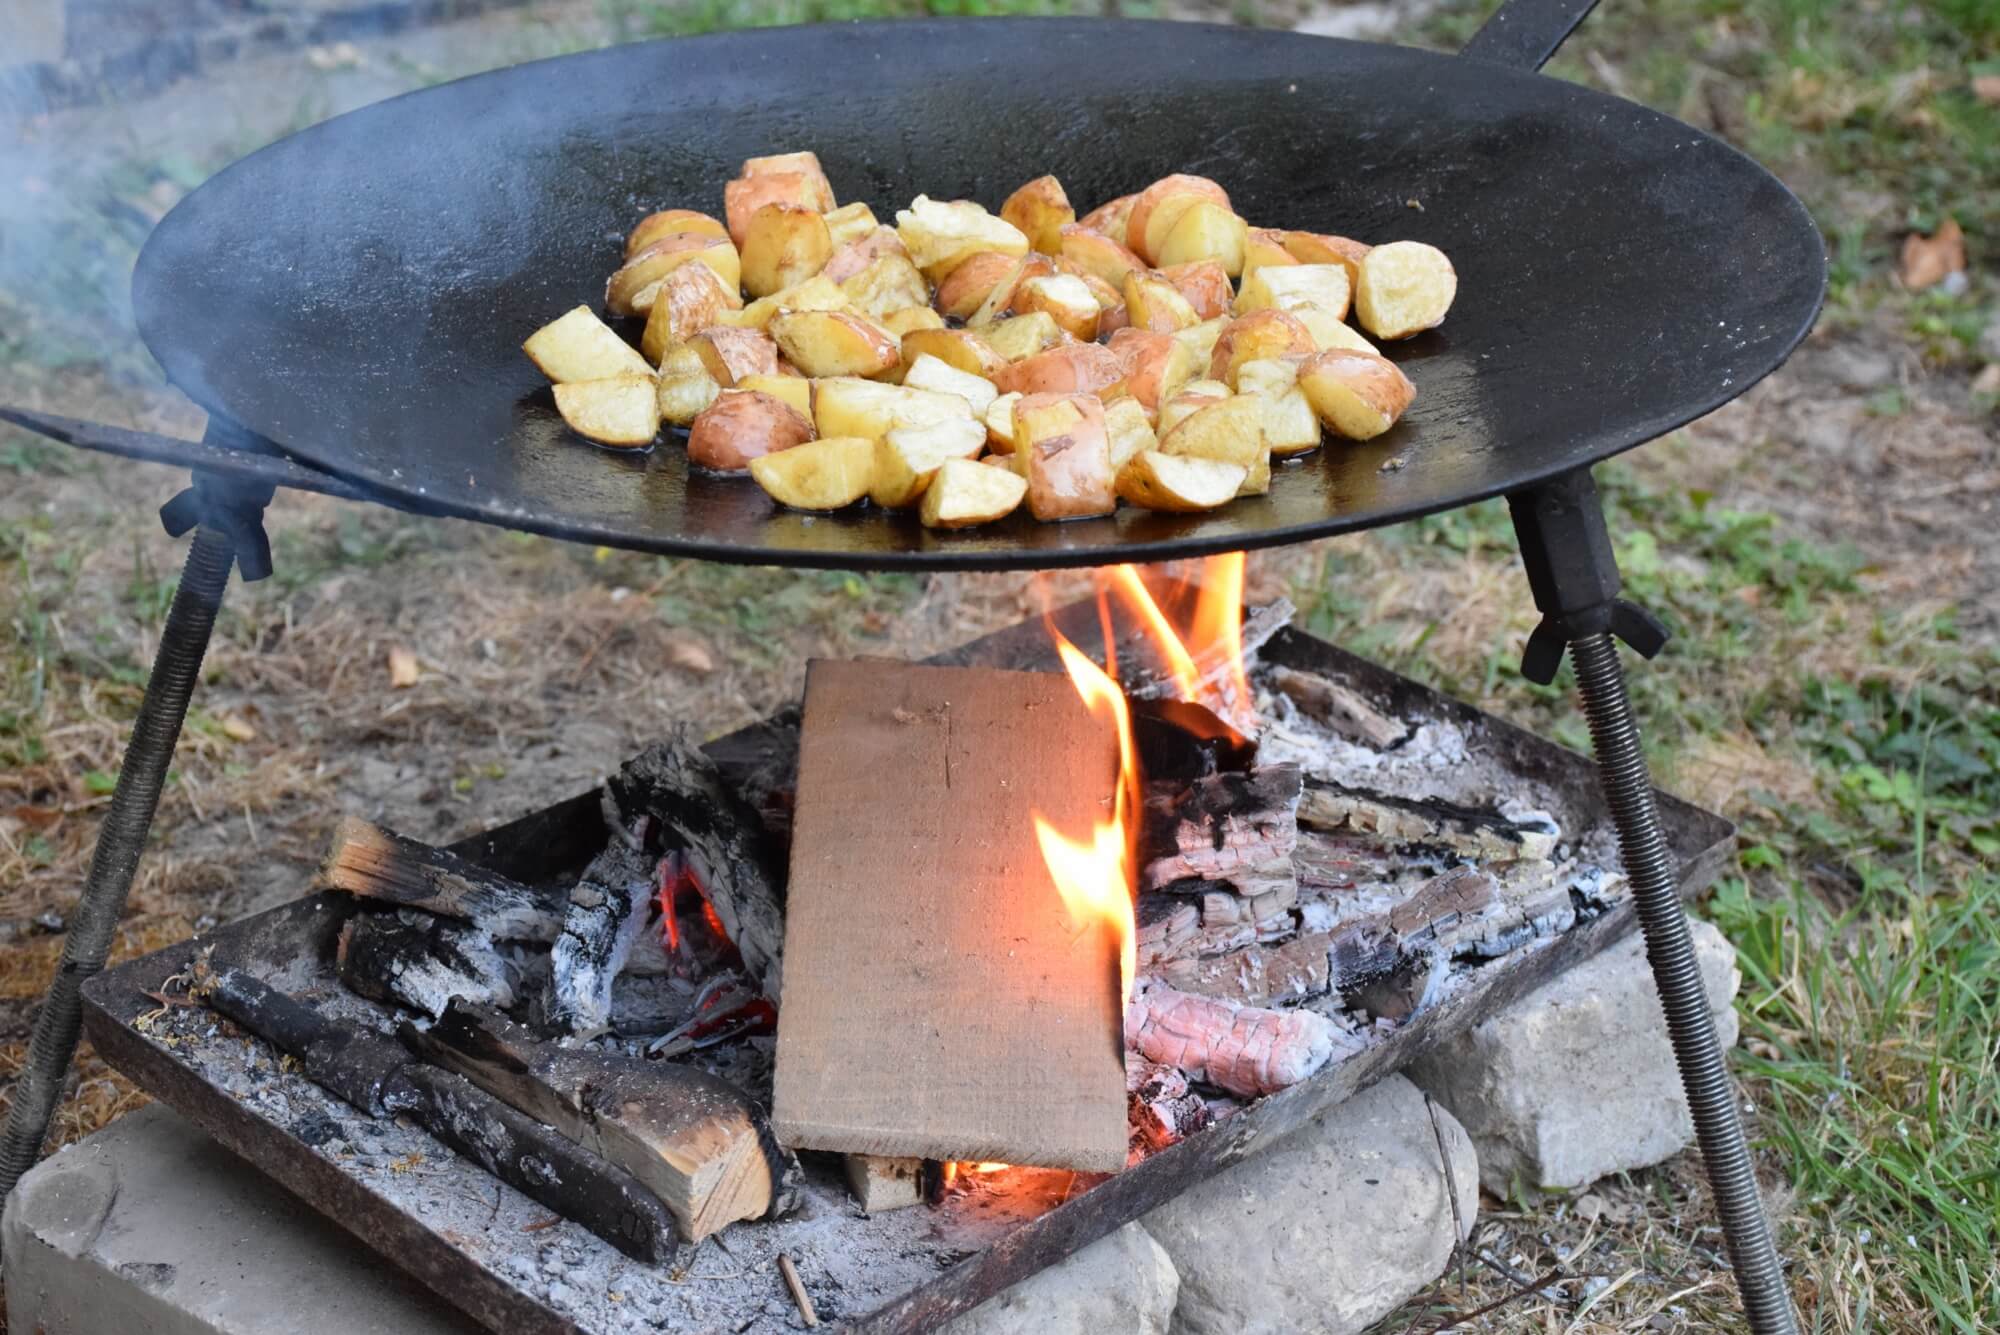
(1574, 576)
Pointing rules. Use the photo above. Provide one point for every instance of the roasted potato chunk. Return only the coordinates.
(620, 410)
(1200, 339)
(1073, 368)
(818, 293)
(1260, 334)
(1268, 375)
(1000, 423)
(910, 320)
(1099, 255)
(805, 164)
(690, 299)
(852, 222)
(783, 246)
(576, 345)
(1161, 205)
(1264, 246)
(1290, 287)
(1109, 219)
(791, 390)
(1023, 336)
(1194, 396)
(1066, 455)
(823, 474)
(1204, 284)
(960, 349)
(1154, 304)
(891, 283)
(742, 198)
(630, 291)
(834, 343)
(1066, 299)
(975, 279)
(1328, 332)
(1232, 431)
(1126, 431)
(906, 460)
(942, 234)
(667, 222)
(931, 372)
(845, 406)
(1356, 394)
(1207, 231)
(1290, 426)
(856, 255)
(728, 354)
(1318, 248)
(1040, 210)
(742, 425)
(1155, 365)
(1405, 288)
(963, 493)
(686, 387)
(1181, 483)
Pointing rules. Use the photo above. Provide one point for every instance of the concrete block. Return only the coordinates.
(1578, 1081)
(1122, 1284)
(1327, 1230)
(151, 1226)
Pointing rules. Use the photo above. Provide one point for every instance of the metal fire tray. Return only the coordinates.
(500, 1258)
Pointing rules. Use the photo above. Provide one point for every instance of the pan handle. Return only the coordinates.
(1525, 33)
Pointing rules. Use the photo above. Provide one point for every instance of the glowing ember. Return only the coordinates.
(671, 876)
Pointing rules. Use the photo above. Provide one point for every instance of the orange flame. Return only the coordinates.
(1215, 631)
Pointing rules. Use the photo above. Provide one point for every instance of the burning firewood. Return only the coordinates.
(1246, 1050)
(1257, 975)
(1472, 832)
(422, 962)
(697, 1142)
(1235, 828)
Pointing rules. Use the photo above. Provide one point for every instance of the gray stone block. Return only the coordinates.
(151, 1226)
(1578, 1080)
(1123, 1284)
(1327, 1230)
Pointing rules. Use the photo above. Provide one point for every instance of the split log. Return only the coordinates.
(1246, 1050)
(940, 1002)
(419, 961)
(1235, 828)
(1164, 1111)
(696, 1142)
(373, 863)
(1258, 975)
(881, 1183)
(1341, 708)
(1480, 833)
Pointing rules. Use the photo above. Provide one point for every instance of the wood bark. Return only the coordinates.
(1247, 1050)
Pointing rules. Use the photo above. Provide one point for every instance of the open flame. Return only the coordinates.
(1097, 875)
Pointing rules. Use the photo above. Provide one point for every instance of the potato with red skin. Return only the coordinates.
(1110, 219)
(1155, 366)
(1260, 334)
(784, 246)
(1160, 205)
(1065, 455)
(1265, 246)
(850, 222)
(1073, 368)
(728, 354)
(1097, 254)
(1155, 304)
(631, 288)
(1040, 209)
(804, 164)
(742, 198)
(1321, 248)
(667, 222)
(1404, 288)
(1358, 395)
(891, 283)
(1065, 298)
(742, 425)
(835, 343)
(856, 255)
(961, 349)
(1019, 337)
(690, 299)
(1206, 231)
(1205, 284)
(988, 279)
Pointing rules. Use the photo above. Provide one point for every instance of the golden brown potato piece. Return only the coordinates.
(1199, 340)
(690, 299)
(1269, 375)
(1023, 336)
(667, 222)
(1357, 394)
(742, 198)
(1109, 220)
(1319, 248)
(905, 460)
(1207, 231)
(1290, 426)
(742, 425)
(823, 474)
(1290, 287)
(960, 349)
(858, 253)
(846, 406)
(1328, 333)
(1066, 454)
(1264, 246)
(631, 289)
(929, 371)
(1205, 285)
(728, 354)
(1194, 396)
(942, 234)
(818, 293)
(968, 285)
(1405, 288)
(823, 343)
(1180, 483)
(576, 345)
(1160, 205)
(1099, 255)
(1155, 365)
(1040, 210)
(793, 391)
(1073, 368)
(1259, 334)
(1000, 423)
(620, 410)
(1000, 301)
(891, 283)
(804, 164)
(686, 387)
(850, 223)
(1066, 299)
(963, 493)
(911, 319)
(783, 246)
(1232, 431)
(1126, 431)
(1155, 304)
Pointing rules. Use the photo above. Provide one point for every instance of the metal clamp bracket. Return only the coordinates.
(232, 504)
(1574, 575)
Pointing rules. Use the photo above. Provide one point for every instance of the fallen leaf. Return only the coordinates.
(690, 653)
(36, 818)
(1986, 87)
(237, 727)
(1928, 260)
(402, 667)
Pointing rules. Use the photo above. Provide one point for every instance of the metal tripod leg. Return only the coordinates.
(1575, 580)
(230, 529)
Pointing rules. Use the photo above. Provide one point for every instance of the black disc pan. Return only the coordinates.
(357, 294)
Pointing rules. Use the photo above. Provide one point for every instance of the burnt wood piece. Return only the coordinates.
(1340, 707)
(375, 1075)
(1234, 828)
(1164, 1110)
(610, 907)
(1167, 926)
(1247, 1050)
(1146, 676)
(1471, 832)
(696, 1142)
(1329, 864)
(1257, 975)
(904, 1029)
(420, 961)
(1179, 741)
(379, 864)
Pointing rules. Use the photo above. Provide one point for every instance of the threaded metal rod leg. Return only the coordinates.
(1711, 1096)
(119, 843)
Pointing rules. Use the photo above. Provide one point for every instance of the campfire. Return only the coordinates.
(952, 950)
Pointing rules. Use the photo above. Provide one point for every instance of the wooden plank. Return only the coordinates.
(938, 1002)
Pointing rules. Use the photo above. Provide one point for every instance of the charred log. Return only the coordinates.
(1341, 708)
(413, 959)
(1471, 832)
(1179, 741)
(374, 863)
(1234, 828)
(1246, 1050)
(1164, 1110)
(1167, 925)
(1258, 975)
